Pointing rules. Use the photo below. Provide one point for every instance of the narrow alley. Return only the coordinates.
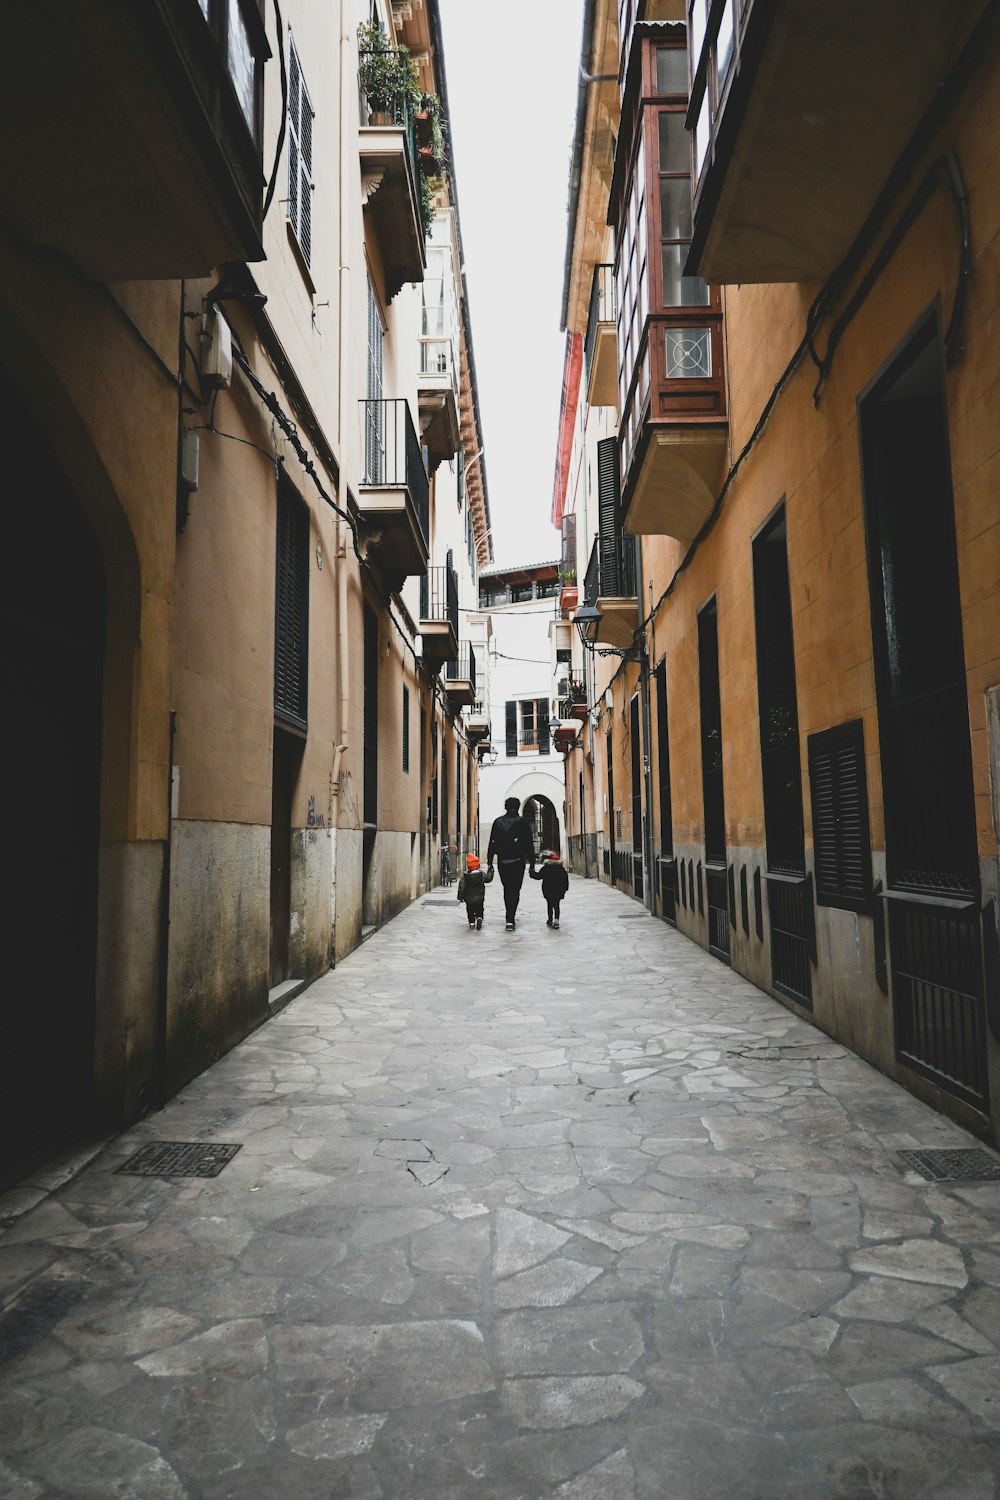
(580, 1214)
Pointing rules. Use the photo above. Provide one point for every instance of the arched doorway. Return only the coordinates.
(52, 601)
(544, 820)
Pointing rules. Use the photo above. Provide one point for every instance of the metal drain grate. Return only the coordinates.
(630, 916)
(179, 1159)
(451, 904)
(969, 1164)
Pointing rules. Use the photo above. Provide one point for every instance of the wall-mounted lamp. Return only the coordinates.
(587, 621)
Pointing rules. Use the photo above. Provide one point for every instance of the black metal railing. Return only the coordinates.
(790, 905)
(393, 109)
(616, 564)
(463, 668)
(592, 578)
(717, 890)
(937, 976)
(574, 693)
(392, 454)
(603, 308)
(439, 596)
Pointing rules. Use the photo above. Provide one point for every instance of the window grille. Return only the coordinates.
(406, 728)
(291, 608)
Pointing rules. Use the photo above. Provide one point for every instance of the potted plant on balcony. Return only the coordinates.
(577, 701)
(430, 136)
(386, 76)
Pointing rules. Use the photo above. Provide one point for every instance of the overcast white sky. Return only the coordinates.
(512, 73)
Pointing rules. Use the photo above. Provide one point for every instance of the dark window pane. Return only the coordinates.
(671, 70)
(675, 208)
(675, 144)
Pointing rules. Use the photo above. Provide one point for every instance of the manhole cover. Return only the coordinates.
(966, 1165)
(439, 903)
(179, 1159)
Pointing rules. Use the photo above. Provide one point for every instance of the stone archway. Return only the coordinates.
(541, 814)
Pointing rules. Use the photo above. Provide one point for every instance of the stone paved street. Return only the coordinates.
(579, 1215)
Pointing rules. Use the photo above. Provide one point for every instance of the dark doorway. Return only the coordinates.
(610, 852)
(788, 893)
(932, 864)
(636, 789)
(53, 605)
(668, 890)
(544, 820)
(285, 761)
(369, 895)
(716, 887)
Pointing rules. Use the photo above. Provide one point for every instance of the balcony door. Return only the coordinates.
(375, 409)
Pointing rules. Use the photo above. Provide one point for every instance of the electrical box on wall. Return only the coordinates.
(190, 454)
(216, 351)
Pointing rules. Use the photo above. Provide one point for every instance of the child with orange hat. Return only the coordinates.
(472, 890)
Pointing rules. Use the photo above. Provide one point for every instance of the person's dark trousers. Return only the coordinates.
(475, 909)
(511, 878)
(553, 911)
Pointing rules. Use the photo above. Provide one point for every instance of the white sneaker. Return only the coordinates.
(555, 924)
(509, 927)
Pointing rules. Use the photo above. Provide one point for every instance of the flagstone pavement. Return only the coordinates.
(580, 1215)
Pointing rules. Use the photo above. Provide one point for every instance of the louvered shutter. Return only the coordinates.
(839, 796)
(291, 609)
(294, 155)
(511, 726)
(542, 725)
(300, 155)
(608, 547)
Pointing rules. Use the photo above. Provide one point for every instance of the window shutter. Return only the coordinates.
(406, 728)
(300, 154)
(607, 516)
(839, 796)
(511, 726)
(291, 608)
(542, 724)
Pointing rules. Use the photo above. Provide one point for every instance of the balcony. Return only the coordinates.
(673, 430)
(610, 588)
(439, 616)
(390, 178)
(131, 134)
(600, 348)
(460, 677)
(566, 737)
(393, 499)
(437, 398)
(477, 723)
(573, 699)
(800, 113)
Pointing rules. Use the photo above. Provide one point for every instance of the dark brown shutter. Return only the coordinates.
(839, 793)
(291, 608)
(542, 724)
(608, 543)
(511, 726)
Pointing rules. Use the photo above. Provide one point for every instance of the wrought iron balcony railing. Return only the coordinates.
(603, 309)
(463, 668)
(439, 596)
(394, 109)
(392, 454)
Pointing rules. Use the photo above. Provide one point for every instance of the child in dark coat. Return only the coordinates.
(472, 890)
(555, 884)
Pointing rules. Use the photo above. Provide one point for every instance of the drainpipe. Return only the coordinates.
(647, 739)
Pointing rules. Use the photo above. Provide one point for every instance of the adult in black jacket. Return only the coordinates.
(512, 847)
